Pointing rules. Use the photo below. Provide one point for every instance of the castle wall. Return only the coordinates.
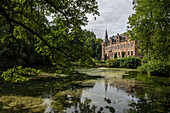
(126, 46)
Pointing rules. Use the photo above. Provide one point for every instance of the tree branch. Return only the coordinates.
(12, 31)
(47, 1)
(33, 32)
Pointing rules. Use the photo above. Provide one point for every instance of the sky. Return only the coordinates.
(113, 17)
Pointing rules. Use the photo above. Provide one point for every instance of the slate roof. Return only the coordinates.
(122, 38)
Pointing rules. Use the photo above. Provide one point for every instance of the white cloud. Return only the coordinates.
(113, 14)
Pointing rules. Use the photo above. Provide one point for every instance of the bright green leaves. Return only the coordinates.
(17, 74)
(150, 27)
(61, 40)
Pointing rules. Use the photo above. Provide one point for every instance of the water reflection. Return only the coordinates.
(104, 96)
(112, 94)
(116, 91)
(48, 103)
(107, 93)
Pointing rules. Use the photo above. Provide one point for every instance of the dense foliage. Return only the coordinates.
(150, 26)
(26, 57)
(115, 55)
(17, 74)
(126, 62)
(60, 40)
(156, 67)
(93, 44)
(123, 54)
(105, 57)
(112, 63)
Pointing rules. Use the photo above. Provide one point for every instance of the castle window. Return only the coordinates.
(131, 44)
(121, 46)
(110, 53)
(128, 52)
(124, 45)
(131, 53)
(128, 45)
(118, 46)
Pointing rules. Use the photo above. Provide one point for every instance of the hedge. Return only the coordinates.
(156, 67)
(127, 62)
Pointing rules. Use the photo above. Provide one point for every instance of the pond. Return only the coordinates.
(96, 90)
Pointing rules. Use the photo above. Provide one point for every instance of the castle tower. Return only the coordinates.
(106, 38)
(104, 44)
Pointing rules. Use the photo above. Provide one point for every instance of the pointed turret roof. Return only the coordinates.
(106, 37)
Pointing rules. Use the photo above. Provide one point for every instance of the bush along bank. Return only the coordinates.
(155, 67)
(151, 67)
(127, 62)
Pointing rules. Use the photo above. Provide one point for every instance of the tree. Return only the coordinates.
(150, 26)
(93, 44)
(115, 55)
(105, 57)
(27, 55)
(62, 44)
(98, 50)
(123, 54)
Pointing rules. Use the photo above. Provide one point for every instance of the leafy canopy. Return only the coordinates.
(93, 44)
(150, 26)
(61, 40)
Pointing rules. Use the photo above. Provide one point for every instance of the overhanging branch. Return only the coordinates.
(35, 33)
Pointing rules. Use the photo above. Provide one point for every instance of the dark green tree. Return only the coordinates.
(123, 54)
(149, 25)
(115, 55)
(105, 57)
(62, 44)
(98, 49)
(93, 44)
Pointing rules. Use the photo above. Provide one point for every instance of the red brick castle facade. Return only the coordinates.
(118, 44)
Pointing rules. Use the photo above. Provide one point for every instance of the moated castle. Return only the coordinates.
(119, 45)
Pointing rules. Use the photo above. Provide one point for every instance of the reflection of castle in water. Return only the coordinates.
(122, 84)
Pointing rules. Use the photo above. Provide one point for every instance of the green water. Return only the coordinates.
(97, 90)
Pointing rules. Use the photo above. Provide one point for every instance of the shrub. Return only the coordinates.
(112, 63)
(156, 67)
(105, 57)
(115, 55)
(128, 62)
(99, 57)
(102, 62)
(123, 54)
